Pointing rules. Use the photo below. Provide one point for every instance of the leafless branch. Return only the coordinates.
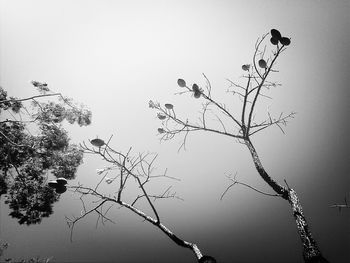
(281, 120)
(141, 168)
(235, 181)
(341, 206)
(262, 77)
(208, 86)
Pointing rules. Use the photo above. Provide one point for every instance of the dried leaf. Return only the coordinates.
(97, 142)
(181, 83)
(169, 106)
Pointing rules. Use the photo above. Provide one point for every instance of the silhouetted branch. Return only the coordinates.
(341, 206)
(140, 167)
(235, 181)
(256, 76)
(281, 120)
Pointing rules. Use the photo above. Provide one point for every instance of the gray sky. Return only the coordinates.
(114, 56)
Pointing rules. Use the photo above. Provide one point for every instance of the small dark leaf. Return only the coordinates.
(97, 142)
(246, 67)
(161, 116)
(181, 83)
(276, 34)
(61, 189)
(169, 106)
(161, 130)
(274, 41)
(38, 84)
(262, 63)
(61, 181)
(285, 41)
(197, 94)
(195, 87)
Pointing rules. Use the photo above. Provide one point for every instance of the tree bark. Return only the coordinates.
(311, 252)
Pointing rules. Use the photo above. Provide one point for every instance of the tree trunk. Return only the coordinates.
(311, 253)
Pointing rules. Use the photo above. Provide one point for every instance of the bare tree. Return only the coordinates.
(133, 173)
(242, 125)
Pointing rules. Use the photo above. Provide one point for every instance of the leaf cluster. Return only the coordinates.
(33, 144)
(11, 103)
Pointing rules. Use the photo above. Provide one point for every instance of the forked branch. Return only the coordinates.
(140, 167)
(256, 75)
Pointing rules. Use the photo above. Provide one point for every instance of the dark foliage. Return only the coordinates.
(33, 144)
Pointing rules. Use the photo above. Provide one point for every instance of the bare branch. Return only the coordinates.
(281, 120)
(263, 78)
(32, 97)
(103, 199)
(208, 85)
(244, 106)
(235, 181)
(341, 206)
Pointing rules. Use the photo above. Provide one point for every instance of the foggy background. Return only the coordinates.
(114, 56)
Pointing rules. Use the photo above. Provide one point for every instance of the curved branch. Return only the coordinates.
(280, 190)
(222, 109)
(261, 84)
(190, 127)
(89, 191)
(165, 230)
(246, 185)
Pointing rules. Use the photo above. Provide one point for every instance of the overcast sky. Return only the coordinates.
(114, 56)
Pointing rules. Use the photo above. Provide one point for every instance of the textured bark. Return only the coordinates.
(311, 253)
(283, 192)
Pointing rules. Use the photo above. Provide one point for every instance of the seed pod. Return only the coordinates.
(195, 87)
(246, 67)
(61, 181)
(274, 41)
(262, 63)
(161, 130)
(161, 116)
(181, 83)
(276, 34)
(285, 41)
(197, 94)
(97, 142)
(61, 189)
(169, 106)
